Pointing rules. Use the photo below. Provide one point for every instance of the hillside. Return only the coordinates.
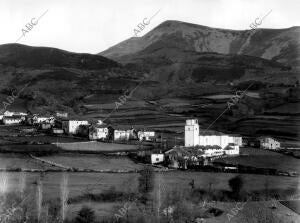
(281, 45)
(56, 79)
(189, 62)
(182, 78)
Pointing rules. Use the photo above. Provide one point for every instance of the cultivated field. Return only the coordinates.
(95, 161)
(96, 146)
(263, 159)
(80, 184)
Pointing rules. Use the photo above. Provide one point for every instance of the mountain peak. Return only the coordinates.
(278, 44)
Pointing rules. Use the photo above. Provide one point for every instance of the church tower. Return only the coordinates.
(191, 133)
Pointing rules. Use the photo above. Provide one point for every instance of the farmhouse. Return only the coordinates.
(157, 158)
(210, 151)
(194, 137)
(269, 143)
(57, 131)
(13, 113)
(59, 114)
(182, 157)
(45, 126)
(72, 126)
(43, 119)
(98, 132)
(121, 134)
(124, 134)
(232, 149)
(12, 120)
(146, 135)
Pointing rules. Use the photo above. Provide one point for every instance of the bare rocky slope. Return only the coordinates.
(281, 45)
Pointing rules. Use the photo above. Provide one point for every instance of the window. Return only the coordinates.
(157, 159)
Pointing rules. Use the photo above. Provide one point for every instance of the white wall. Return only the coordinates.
(269, 143)
(11, 121)
(145, 134)
(219, 140)
(98, 133)
(191, 133)
(157, 158)
(233, 150)
(72, 126)
(121, 135)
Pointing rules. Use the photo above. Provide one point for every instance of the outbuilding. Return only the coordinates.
(72, 126)
(269, 143)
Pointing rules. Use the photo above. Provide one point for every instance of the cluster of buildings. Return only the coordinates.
(199, 147)
(60, 124)
(14, 118)
(227, 144)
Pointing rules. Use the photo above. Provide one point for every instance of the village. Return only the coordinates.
(199, 147)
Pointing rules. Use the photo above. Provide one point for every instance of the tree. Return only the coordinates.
(236, 184)
(146, 181)
(85, 215)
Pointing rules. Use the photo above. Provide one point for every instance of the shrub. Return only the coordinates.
(146, 180)
(85, 215)
(236, 185)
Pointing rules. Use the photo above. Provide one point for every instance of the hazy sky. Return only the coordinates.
(92, 26)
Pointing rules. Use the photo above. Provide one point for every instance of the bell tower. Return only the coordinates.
(191, 133)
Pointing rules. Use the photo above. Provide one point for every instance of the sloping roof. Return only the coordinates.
(263, 137)
(215, 133)
(13, 117)
(210, 133)
(99, 126)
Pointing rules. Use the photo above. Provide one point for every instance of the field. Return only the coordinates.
(96, 146)
(95, 161)
(263, 159)
(15, 134)
(14, 161)
(42, 149)
(80, 184)
(98, 182)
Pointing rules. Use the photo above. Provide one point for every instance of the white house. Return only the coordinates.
(43, 119)
(72, 126)
(45, 126)
(57, 131)
(210, 151)
(9, 114)
(12, 120)
(146, 135)
(61, 114)
(122, 134)
(98, 132)
(157, 158)
(232, 149)
(269, 143)
(193, 137)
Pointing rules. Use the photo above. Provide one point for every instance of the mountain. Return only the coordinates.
(53, 79)
(281, 45)
(196, 70)
(178, 54)
(18, 55)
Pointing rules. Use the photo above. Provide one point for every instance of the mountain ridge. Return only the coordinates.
(264, 43)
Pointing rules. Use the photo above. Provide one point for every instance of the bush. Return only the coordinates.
(236, 185)
(85, 215)
(146, 180)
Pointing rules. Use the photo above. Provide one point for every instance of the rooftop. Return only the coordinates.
(13, 117)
